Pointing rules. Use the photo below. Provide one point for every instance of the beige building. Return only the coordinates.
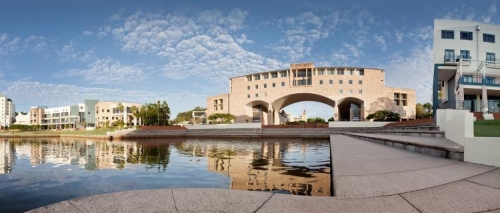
(352, 92)
(108, 112)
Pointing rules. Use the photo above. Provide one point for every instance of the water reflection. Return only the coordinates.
(68, 168)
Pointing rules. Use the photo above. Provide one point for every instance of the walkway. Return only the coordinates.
(368, 177)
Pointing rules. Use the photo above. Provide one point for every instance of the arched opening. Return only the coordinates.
(285, 101)
(257, 112)
(351, 109)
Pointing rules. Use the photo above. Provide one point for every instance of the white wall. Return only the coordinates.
(459, 128)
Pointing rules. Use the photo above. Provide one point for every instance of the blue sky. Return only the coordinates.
(59, 52)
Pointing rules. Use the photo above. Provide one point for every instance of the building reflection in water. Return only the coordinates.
(287, 165)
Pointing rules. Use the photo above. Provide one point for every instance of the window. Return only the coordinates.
(331, 72)
(248, 96)
(283, 74)
(447, 34)
(256, 77)
(320, 81)
(467, 78)
(396, 102)
(488, 38)
(274, 84)
(341, 91)
(256, 86)
(351, 72)
(256, 95)
(449, 55)
(274, 75)
(360, 82)
(403, 96)
(490, 80)
(361, 72)
(266, 76)
(265, 85)
(249, 78)
(282, 84)
(396, 95)
(350, 81)
(248, 87)
(340, 81)
(490, 58)
(464, 54)
(464, 35)
(340, 72)
(321, 72)
(350, 91)
(330, 81)
(108, 110)
(403, 102)
(360, 91)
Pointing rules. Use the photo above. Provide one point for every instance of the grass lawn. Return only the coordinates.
(490, 128)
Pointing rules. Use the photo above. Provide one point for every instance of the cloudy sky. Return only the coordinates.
(59, 52)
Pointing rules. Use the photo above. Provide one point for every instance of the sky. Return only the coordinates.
(58, 52)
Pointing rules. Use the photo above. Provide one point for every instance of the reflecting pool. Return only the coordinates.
(38, 172)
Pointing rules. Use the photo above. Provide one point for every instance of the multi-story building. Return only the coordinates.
(466, 67)
(87, 112)
(65, 117)
(36, 114)
(353, 92)
(108, 112)
(7, 111)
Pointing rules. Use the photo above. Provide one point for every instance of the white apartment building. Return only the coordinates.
(65, 117)
(7, 111)
(466, 65)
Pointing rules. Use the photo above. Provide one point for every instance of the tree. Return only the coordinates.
(420, 112)
(331, 119)
(221, 117)
(384, 115)
(155, 114)
(187, 115)
(135, 113)
(315, 120)
(428, 110)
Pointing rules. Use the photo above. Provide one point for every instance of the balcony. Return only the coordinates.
(479, 80)
(494, 63)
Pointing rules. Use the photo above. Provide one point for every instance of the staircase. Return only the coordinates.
(421, 136)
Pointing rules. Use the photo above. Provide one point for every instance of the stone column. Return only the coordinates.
(485, 99)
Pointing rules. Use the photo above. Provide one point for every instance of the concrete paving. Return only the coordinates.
(368, 177)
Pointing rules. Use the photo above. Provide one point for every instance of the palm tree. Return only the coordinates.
(135, 113)
(120, 109)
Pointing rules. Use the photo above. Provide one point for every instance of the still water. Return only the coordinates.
(38, 172)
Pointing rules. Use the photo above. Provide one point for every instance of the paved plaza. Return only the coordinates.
(368, 177)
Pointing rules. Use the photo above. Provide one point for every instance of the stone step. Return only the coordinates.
(437, 147)
(431, 134)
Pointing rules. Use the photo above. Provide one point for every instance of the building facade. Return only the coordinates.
(108, 112)
(36, 114)
(466, 67)
(352, 92)
(65, 117)
(7, 111)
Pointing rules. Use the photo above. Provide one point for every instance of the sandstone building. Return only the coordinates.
(352, 92)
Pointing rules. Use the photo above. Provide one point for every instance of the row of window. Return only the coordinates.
(340, 91)
(466, 35)
(360, 82)
(479, 79)
(449, 56)
(320, 72)
(265, 85)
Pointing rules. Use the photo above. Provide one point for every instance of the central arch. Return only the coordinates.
(351, 109)
(280, 103)
(258, 111)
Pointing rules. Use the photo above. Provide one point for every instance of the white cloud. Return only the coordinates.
(380, 40)
(87, 33)
(46, 94)
(399, 37)
(106, 71)
(18, 45)
(205, 46)
(424, 33)
(414, 71)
